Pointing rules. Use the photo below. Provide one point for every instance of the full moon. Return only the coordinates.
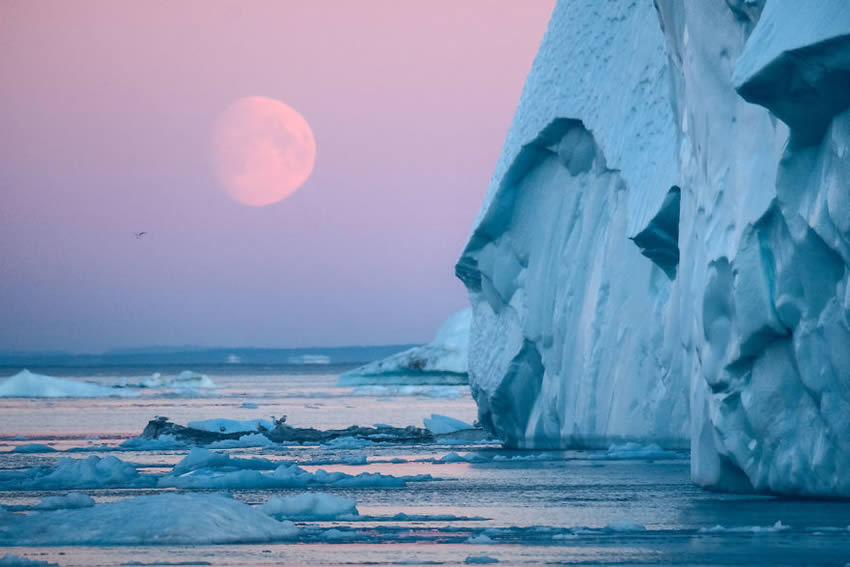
(263, 151)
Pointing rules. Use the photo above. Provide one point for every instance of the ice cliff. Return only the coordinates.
(442, 361)
(663, 250)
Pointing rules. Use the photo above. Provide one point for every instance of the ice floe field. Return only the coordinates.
(81, 485)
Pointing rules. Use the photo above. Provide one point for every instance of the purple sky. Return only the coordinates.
(106, 110)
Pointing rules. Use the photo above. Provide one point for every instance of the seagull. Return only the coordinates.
(139, 235)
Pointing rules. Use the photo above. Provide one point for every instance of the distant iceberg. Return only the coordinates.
(309, 359)
(26, 384)
(442, 361)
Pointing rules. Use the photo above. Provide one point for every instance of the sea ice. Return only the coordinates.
(310, 506)
(164, 519)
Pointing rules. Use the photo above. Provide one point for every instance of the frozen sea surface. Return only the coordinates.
(626, 506)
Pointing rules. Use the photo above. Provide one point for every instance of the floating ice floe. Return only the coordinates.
(26, 384)
(33, 448)
(347, 443)
(165, 519)
(440, 424)
(442, 361)
(310, 506)
(637, 451)
(480, 559)
(204, 469)
(186, 380)
(66, 502)
(70, 474)
(161, 443)
(244, 442)
(11, 560)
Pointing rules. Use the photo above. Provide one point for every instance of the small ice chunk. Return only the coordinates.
(480, 539)
(164, 442)
(310, 506)
(244, 442)
(69, 501)
(348, 443)
(480, 559)
(441, 424)
(10, 560)
(232, 425)
(33, 448)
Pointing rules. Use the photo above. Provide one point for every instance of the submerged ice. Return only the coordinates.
(663, 251)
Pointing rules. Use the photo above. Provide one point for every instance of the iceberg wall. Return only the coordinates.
(556, 284)
(663, 251)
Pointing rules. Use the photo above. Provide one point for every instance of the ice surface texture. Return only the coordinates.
(666, 240)
(443, 360)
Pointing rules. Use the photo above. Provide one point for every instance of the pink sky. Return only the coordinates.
(107, 109)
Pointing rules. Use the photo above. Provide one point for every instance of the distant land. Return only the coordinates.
(207, 356)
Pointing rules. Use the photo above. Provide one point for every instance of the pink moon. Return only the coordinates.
(263, 151)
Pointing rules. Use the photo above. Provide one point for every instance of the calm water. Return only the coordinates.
(531, 506)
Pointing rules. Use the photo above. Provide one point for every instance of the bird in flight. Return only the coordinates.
(139, 235)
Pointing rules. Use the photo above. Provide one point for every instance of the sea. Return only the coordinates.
(627, 505)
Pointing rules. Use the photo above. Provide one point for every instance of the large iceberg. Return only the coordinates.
(442, 361)
(663, 251)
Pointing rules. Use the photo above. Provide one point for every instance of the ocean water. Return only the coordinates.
(529, 508)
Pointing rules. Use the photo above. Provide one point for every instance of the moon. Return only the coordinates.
(262, 151)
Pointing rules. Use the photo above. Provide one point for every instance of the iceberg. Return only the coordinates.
(26, 384)
(442, 361)
(570, 265)
(662, 255)
(165, 519)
